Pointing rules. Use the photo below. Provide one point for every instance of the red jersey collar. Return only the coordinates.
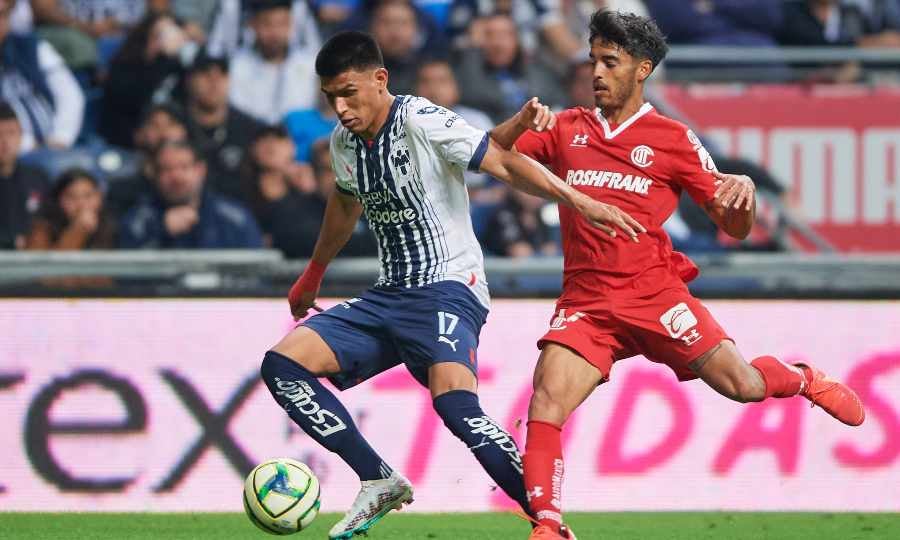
(610, 134)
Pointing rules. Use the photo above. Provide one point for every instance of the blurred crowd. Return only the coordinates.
(199, 124)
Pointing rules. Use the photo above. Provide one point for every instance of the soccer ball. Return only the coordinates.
(281, 496)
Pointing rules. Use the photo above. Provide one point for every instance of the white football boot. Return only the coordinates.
(376, 498)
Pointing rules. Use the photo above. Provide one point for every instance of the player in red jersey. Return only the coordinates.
(623, 297)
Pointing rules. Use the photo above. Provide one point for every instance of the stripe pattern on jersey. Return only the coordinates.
(409, 251)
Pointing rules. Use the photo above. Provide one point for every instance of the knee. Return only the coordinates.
(548, 406)
(274, 362)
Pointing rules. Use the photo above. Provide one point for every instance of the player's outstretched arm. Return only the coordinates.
(733, 207)
(527, 175)
(534, 115)
(341, 214)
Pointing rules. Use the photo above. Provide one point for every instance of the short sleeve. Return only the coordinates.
(693, 168)
(341, 152)
(539, 146)
(448, 133)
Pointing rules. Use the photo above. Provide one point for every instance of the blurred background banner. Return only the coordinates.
(836, 149)
(157, 405)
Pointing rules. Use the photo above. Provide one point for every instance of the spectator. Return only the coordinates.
(289, 218)
(523, 226)
(21, 187)
(230, 31)
(429, 38)
(580, 85)
(499, 77)
(867, 23)
(718, 22)
(149, 61)
(39, 87)
(197, 16)
(882, 20)
(269, 76)
(395, 26)
(87, 31)
(537, 22)
(276, 152)
(219, 130)
(436, 82)
(73, 217)
(308, 125)
(184, 215)
(161, 123)
(362, 241)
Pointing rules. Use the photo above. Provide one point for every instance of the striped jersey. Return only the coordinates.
(409, 180)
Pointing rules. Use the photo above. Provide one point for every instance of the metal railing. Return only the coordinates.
(693, 63)
(265, 273)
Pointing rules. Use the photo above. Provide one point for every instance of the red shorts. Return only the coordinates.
(670, 327)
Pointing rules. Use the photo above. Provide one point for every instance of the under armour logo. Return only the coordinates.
(579, 140)
(538, 491)
(691, 337)
(445, 339)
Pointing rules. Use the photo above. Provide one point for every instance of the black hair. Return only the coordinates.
(258, 6)
(278, 131)
(68, 177)
(347, 51)
(173, 110)
(55, 216)
(639, 36)
(7, 112)
(180, 145)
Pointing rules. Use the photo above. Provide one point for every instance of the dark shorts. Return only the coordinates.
(387, 326)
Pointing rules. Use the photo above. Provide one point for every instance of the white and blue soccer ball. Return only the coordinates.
(281, 496)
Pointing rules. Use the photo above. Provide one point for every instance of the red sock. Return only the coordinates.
(544, 472)
(782, 380)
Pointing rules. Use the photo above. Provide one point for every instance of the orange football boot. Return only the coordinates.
(835, 398)
(543, 532)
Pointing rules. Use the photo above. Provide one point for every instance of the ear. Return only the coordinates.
(645, 68)
(381, 78)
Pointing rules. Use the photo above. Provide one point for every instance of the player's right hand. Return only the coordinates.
(608, 218)
(536, 116)
(302, 296)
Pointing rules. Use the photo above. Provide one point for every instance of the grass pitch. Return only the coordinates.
(408, 526)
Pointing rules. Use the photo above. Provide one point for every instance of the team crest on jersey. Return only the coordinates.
(579, 140)
(642, 156)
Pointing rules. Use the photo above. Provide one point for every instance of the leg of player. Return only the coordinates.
(563, 379)
(724, 369)
(291, 371)
(453, 390)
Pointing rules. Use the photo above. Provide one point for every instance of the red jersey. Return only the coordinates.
(641, 166)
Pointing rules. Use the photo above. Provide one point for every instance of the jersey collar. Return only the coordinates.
(610, 134)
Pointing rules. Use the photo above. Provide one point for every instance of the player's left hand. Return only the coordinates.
(735, 191)
(536, 116)
(608, 218)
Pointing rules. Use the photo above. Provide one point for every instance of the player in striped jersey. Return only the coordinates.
(400, 160)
